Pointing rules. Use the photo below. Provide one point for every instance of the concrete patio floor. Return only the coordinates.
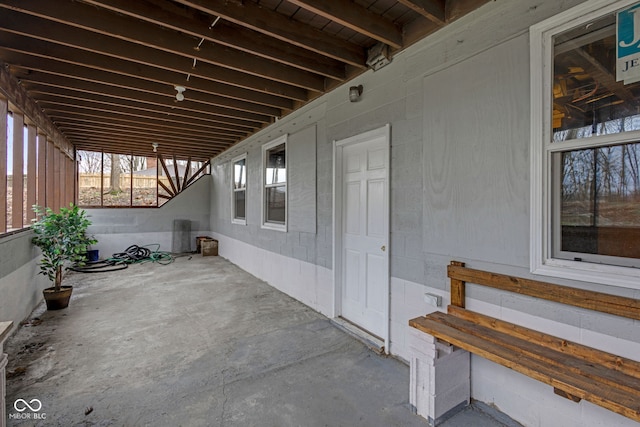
(200, 342)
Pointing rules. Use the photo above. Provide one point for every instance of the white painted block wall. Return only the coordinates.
(458, 105)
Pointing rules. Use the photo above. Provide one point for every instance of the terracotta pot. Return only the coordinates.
(57, 300)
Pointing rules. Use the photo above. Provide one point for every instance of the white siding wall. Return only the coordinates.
(458, 105)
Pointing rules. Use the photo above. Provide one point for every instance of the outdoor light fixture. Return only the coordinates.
(155, 147)
(355, 92)
(378, 56)
(180, 95)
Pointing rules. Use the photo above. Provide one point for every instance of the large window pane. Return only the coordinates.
(117, 174)
(587, 99)
(276, 165)
(600, 201)
(275, 204)
(144, 170)
(239, 174)
(238, 189)
(239, 200)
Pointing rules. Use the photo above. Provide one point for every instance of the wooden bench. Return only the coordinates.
(574, 371)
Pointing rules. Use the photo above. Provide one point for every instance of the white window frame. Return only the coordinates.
(234, 190)
(541, 68)
(265, 148)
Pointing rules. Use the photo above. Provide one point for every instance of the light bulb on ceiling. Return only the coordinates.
(180, 95)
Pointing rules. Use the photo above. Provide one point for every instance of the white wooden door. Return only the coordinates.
(365, 233)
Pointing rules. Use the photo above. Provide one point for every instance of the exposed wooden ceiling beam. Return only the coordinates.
(89, 18)
(196, 102)
(92, 125)
(457, 8)
(64, 60)
(184, 108)
(433, 10)
(62, 97)
(38, 28)
(74, 129)
(273, 24)
(105, 71)
(143, 120)
(151, 126)
(148, 138)
(355, 17)
(143, 149)
(169, 15)
(51, 103)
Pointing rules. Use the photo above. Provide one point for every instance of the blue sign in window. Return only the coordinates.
(629, 31)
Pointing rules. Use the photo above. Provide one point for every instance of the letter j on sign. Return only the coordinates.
(628, 44)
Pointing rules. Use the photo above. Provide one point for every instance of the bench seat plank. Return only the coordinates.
(583, 380)
(560, 360)
(608, 360)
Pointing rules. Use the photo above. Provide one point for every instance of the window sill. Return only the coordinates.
(274, 226)
(239, 221)
(622, 277)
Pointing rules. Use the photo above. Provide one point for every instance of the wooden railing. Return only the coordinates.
(92, 180)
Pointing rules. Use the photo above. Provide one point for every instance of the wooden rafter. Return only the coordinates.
(273, 24)
(105, 70)
(355, 17)
(433, 10)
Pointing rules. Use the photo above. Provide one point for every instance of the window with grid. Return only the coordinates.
(239, 190)
(586, 144)
(275, 184)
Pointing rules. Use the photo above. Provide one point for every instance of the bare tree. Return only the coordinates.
(90, 161)
(114, 181)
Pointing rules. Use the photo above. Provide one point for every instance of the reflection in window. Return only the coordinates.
(275, 184)
(239, 190)
(276, 172)
(600, 203)
(587, 99)
(595, 183)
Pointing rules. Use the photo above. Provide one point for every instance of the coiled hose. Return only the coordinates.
(120, 261)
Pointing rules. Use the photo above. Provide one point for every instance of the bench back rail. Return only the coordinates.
(596, 301)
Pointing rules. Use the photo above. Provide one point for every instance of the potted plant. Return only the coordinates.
(62, 238)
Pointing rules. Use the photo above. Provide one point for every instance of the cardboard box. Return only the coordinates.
(209, 247)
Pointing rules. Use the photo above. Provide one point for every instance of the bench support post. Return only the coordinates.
(440, 381)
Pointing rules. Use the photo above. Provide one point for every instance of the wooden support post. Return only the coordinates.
(62, 183)
(50, 202)
(71, 181)
(198, 172)
(3, 164)
(457, 288)
(166, 171)
(17, 210)
(177, 174)
(31, 172)
(57, 174)
(41, 199)
(186, 174)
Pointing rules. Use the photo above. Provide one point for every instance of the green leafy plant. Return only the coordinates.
(62, 238)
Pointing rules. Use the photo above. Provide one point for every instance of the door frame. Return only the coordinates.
(338, 146)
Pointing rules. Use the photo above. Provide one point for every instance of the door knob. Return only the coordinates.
(383, 248)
